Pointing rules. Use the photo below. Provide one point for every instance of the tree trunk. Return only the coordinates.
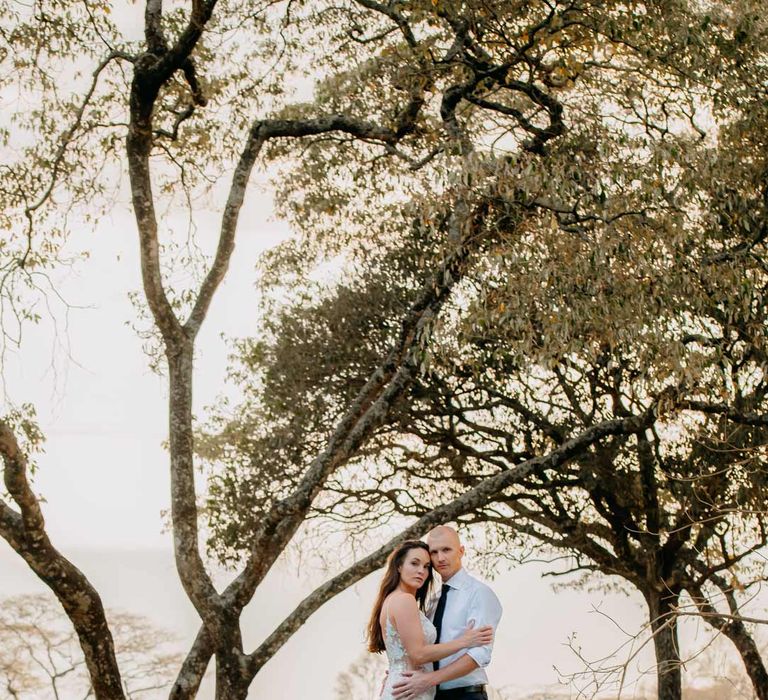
(734, 628)
(193, 669)
(664, 626)
(753, 662)
(231, 681)
(84, 608)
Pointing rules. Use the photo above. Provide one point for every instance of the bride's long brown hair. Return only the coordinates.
(389, 583)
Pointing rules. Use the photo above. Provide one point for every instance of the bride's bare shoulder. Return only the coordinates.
(401, 602)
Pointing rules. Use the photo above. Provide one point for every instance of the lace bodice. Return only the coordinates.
(398, 657)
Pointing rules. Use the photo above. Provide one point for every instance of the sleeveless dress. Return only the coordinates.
(398, 658)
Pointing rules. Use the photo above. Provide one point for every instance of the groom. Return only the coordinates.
(463, 601)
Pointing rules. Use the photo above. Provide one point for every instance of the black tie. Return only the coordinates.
(439, 617)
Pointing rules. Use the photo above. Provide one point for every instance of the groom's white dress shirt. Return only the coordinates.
(468, 599)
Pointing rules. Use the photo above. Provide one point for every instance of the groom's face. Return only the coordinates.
(446, 552)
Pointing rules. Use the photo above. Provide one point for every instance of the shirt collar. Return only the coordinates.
(459, 580)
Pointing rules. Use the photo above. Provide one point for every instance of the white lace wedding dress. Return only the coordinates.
(399, 661)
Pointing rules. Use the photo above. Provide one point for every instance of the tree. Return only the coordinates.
(637, 276)
(467, 129)
(40, 655)
(164, 121)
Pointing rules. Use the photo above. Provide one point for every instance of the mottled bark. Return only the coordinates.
(194, 577)
(227, 689)
(231, 680)
(25, 532)
(193, 669)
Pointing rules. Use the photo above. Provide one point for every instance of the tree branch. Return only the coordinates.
(226, 244)
(748, 418)
(25, 532)
(153, 31)
(467, 502)
(188, 680)
(15, 477)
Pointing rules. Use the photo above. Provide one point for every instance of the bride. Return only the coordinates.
(399, 626)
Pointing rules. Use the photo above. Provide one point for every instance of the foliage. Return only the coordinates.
(618, 260)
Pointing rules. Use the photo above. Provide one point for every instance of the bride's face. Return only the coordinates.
(415, 568)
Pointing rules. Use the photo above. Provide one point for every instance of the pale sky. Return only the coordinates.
(102, 409)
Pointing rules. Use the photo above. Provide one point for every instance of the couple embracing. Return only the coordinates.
(437, 648)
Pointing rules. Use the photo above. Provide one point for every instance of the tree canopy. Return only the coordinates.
(526, 287)
(626, 273)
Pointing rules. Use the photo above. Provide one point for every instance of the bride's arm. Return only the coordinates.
(405, 612)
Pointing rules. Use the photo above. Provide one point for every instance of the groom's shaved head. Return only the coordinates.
(444, 531)
(446, 550)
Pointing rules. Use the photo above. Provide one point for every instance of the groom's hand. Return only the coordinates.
(413, 683)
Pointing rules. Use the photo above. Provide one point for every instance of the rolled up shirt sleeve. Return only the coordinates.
(484, 609)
